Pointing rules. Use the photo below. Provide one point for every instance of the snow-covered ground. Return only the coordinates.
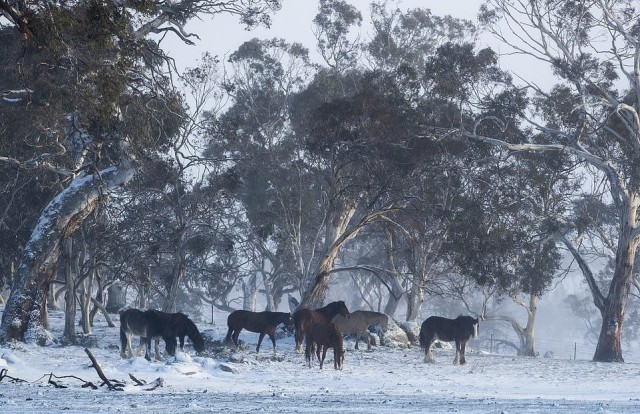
(385, 380)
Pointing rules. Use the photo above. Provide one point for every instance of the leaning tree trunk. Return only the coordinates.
(609, 347)
(25, 309)
(314, 298)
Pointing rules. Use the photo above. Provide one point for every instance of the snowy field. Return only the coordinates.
(385, 380)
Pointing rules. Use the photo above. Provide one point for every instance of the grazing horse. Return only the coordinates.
(264, 323)
(303, 317)
(181, 326)
(325, 336)
(459, 330)
(358, 323)
(147, 325)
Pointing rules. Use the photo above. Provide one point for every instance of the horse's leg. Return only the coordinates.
(272, 335)
(147, 355)
(124, 343)
(456, 360)
(157, 349)
(324, 354)
(140, 349)
(428, 356)
(357, 339)
(262, 334)
(307, 352)
(228, 337)
(366, 336)
(235, 336)
(182, 343)
(463, 345)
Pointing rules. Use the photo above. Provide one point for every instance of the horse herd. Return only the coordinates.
(320, 329)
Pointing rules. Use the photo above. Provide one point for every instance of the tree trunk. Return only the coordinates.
(69, 332)
(250, 292)
(609, 347)
(318, 292)
(25, 311)
(414, 299)
(528, 347)
(116, 298)
(268, 292)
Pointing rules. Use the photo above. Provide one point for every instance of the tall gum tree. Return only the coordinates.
(592, 116)
(113, 104)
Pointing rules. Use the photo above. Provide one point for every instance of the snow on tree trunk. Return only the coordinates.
(26, 307)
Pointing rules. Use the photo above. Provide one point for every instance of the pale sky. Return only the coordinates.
(293, 22)
(222, 35)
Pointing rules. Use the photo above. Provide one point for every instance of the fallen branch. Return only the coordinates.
(86, 384)
(112, 385)
(137, 381)
(3, 374)
(159, 382)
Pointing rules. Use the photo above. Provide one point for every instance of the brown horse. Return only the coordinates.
(303, 317)
(264, 323)
(325, 336)
(459, 330)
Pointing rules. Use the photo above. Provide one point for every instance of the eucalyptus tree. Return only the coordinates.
(591, 116)
(94, 85)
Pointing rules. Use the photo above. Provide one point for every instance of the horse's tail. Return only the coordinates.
(422, 339)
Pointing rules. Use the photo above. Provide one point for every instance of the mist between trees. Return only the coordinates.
(408, 164)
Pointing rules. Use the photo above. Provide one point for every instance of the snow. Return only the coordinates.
(389, 380)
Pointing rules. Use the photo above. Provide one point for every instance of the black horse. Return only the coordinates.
(303, 317)
(179, 325)
(263, 323)
(459, 330)
(147, 325)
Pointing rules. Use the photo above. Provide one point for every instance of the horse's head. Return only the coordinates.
(198, 342)
(287, 322)
(341, 308)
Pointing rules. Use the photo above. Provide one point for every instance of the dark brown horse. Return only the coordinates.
(459, 330)
(324, 336)
(303, 317)
(147, 325)
(263, 323)
(179, 325)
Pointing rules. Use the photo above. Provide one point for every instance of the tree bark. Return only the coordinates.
(69, 332)
(24, 313)
(609, 348)
(116, 298)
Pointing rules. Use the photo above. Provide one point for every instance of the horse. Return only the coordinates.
(459, 330)
(147, 325)
(325, 336)
(263, 323)
(358, 323)
(302, 317)
(181, 326)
